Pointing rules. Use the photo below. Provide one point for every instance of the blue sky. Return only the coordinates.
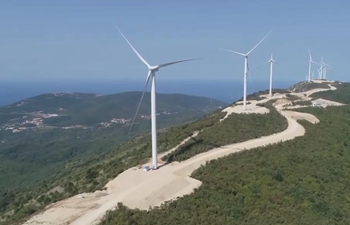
(76, 39)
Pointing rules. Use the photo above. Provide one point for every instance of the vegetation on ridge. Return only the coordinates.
(303, 181)
(342, 94)
(235, 128)
(307, 86)
(302, 103)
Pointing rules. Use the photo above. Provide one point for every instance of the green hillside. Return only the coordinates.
(342, 94)
(303, 181)
(261, 186)
(33, 161)
(91, 109)
(90, 175)
(43, 149)
(236, 128)
(85, 175)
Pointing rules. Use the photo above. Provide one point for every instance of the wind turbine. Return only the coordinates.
(325, 67)
(271, 61)
(320, 71)
(310, 62)
(151, 75)
(246, 68)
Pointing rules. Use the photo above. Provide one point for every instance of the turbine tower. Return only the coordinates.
(310, 62)
(320, 71)
(151, 75)
(325, 67)
(271, 61)
(246, 68)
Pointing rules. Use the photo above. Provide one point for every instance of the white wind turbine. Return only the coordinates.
(246, 68)
(271, 61)
(310, 62)
(320, 71)
(151, 75)
(325, 66)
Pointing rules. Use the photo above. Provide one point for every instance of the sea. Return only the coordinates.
(225, 90)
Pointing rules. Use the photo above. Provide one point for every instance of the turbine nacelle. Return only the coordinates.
(153, 68)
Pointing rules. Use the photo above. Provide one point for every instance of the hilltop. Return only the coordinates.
(184, 149)
(307, 86)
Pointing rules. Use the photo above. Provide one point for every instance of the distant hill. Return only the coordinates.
(70, 109)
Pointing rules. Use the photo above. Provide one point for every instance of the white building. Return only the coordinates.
(324, 103)
(318, 103)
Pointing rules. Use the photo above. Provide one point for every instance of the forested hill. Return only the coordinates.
(68, 109)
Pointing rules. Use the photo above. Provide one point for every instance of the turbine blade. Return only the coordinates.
(260, 66)
(258, 43)
(310, 54)
(277, 62)
(132, 47)
(171, 63)
(143, 94)
(326, 64)
(239, 53)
